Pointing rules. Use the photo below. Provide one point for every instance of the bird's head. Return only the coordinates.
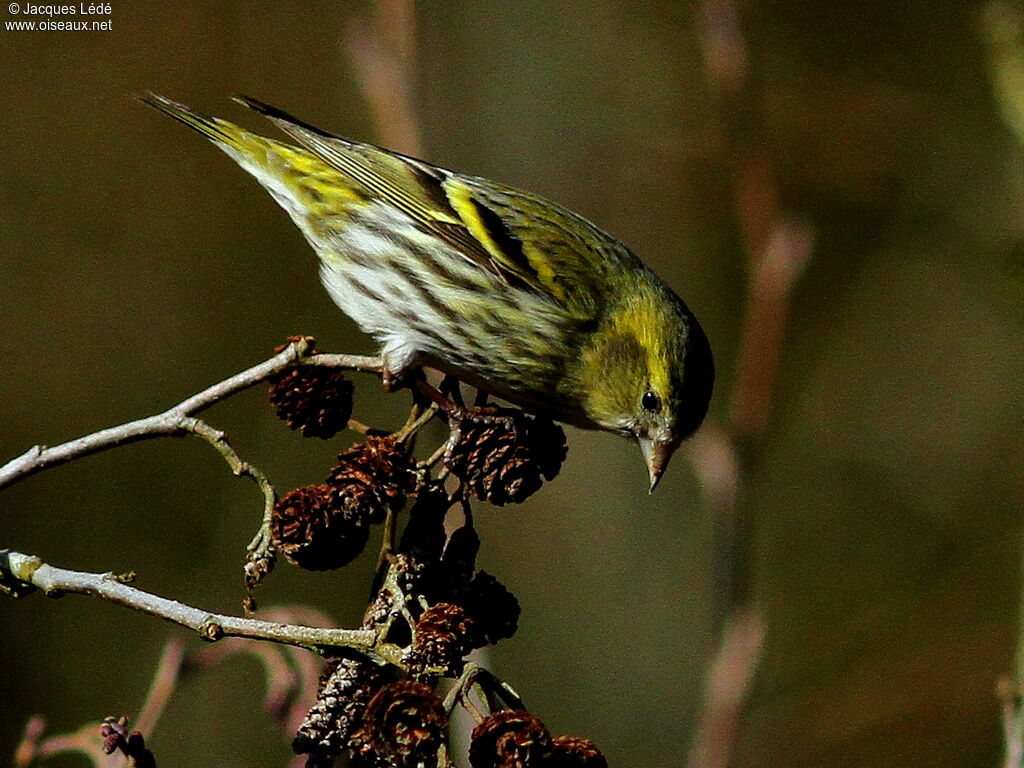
(649, 375)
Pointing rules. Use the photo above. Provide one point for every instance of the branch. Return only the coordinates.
(1001, 33)
(85, 741)
(55, 582)
(383, 50)
(772, 277)
(165, 680)
(727, 685)
(179, 420)
(777, 248)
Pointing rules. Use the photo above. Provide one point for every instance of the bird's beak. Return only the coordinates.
(657, 454)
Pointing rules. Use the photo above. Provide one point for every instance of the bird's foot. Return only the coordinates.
(403, 378)
(392, 381)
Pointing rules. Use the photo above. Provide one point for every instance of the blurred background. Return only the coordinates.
(864, 151)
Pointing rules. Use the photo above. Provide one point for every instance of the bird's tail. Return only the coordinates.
(221, 132)
(304, 185)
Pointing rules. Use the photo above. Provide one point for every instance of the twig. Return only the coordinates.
(1012, 705)
(777, 248)
(1001, 31)
(435, 457)
(260, 546)
(413, 426)
(717, 466)
(387, 544)
(181, 420)
(460, 694)
(360, 427)
(728, 681)
(772, 278)
(86, 741)
(28, 747)
(210, 626)
(174, 422)
(383, 51)
(165, 680)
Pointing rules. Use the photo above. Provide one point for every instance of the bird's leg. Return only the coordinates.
(456, 411)
(445, 404)
(451, 387)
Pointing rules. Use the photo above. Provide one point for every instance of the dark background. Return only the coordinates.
(138, 264)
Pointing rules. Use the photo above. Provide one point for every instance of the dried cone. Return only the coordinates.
(458, 563)
(423, 538)
(422, 543)
(493, 610)
(361, 753)
(378, 611)
(310, 529)
(404, 727)
(346, 688)
(504, 456)
(316, 400)
(443, 636)
(510, 739)
(372, 477)
(570, 752)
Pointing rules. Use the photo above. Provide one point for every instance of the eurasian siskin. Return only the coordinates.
(500, 288)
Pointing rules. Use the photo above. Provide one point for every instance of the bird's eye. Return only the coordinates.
(651, 402)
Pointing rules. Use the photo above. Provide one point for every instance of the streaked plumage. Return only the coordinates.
(501, 288)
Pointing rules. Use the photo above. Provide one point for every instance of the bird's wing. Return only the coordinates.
(529, 243)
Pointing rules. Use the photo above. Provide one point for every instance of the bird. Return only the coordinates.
(500, 288)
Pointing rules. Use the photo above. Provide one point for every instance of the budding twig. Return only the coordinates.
(181, 420)
(260, 546)
(175, 421)
(55, 582)
(165, 680)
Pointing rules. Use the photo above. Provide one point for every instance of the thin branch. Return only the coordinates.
(728, 682)
(28, 747)
(772, 278)
(86, 741)
(240, 468)
(1001, 31)
(1010, 700)
(717, 466)
(165, 680)
(383, 50)
(175, 421)
(777, 248)
(413, 426)
(435, 457)
(210, 626)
